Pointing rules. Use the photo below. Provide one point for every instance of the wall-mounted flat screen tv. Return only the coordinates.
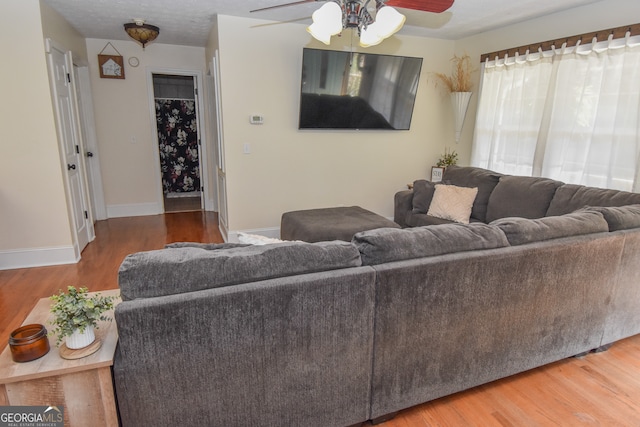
(353, 90)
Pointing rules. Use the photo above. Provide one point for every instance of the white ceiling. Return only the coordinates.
(188, 22)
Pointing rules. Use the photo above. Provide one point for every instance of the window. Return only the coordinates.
(571, 114)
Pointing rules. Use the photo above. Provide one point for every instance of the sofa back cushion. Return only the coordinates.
(522, 230)
(392, 244)
(618, 217)
(188, 269)
(483, 179)
(207, 246)
(571, 197)
(423, 192)
(521, 196)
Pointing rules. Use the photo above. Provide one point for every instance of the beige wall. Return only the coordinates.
(33, 210)
(55, 27)
(289, 169)
(124, 127)
(601, 15)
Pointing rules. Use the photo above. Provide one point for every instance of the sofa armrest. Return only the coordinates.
(403, 203)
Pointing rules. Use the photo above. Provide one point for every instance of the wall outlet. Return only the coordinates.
(246, 148)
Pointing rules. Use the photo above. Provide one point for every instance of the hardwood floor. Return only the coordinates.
(181, 204)
(20, 289)
(596, 390)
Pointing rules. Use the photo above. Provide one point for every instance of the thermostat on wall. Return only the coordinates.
(256, 120)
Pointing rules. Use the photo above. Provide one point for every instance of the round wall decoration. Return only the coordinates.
(133, 61)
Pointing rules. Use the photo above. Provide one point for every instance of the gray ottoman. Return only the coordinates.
(318, 225)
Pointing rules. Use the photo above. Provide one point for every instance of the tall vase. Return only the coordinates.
(80, 340)
(460, 103)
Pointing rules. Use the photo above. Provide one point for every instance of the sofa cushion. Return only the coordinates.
(571, 197)
(484, 180)
(421, 219)
(328, 224)
(618, 217)
(521, 196)
(207, 246)
(422, 194)
(522, 230)
(453, 203)
(179, 270)
(389, 244)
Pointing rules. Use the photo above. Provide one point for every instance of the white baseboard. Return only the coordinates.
(37, 257)
(273, 233)
(137, 209)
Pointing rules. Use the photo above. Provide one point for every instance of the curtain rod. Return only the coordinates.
(618, 32)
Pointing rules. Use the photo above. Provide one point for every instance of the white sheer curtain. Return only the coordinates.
(571, 114)
(510, 112)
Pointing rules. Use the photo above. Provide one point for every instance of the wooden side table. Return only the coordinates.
(84, 387)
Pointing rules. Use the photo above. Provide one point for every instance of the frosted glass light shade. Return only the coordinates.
(388, 21)
(369, 36)
(327, 22)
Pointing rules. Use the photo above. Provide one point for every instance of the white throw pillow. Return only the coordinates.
(256, 239)
(453, 203)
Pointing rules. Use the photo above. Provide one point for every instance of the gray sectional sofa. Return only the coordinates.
(337, 333)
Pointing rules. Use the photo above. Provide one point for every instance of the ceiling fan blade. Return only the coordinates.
(283, 5)
(435, 6)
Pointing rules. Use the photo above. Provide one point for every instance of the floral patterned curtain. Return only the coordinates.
(178, 139)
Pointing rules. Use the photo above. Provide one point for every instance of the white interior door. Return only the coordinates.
(90, 143)
(60, 74)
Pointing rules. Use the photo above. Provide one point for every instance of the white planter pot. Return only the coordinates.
(460, 103)
(79, 340)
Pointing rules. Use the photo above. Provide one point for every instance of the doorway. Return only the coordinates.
(177, 126)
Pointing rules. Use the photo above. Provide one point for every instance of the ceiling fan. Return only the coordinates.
(434, 6)
(336, 15)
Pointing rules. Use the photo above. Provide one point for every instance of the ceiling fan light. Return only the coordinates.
(329, 16)
(388, 21)
(369, 36)
(319, 33)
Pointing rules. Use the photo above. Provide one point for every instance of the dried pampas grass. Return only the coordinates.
(460, 80)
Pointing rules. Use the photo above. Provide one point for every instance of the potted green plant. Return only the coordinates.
(449, 158)
(76, 314)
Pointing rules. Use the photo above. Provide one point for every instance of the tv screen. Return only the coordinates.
(353, 90)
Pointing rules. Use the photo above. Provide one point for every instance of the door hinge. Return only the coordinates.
(199, 142)
(77, 149)
(86, 215)
(195, 90)
(69, 77)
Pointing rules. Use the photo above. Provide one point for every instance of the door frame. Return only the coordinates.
(220, 169)
(202, 147)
